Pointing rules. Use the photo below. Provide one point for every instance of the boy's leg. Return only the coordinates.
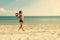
(23, 29)
(20, 27)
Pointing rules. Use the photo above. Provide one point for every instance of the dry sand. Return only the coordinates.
(32, 32)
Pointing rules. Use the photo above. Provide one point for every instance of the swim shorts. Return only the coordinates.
(21, 21)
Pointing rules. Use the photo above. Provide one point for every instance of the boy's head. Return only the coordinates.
(20, 12)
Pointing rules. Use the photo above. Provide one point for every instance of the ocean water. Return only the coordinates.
(12, 20)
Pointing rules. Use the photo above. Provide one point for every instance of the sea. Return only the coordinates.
(13, 20)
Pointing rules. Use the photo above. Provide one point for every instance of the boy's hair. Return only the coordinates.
(20, 11)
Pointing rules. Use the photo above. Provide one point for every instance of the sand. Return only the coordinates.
(32, 32)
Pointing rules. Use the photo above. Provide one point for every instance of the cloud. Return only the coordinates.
(4, 12)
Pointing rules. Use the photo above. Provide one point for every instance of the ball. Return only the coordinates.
(16, 14)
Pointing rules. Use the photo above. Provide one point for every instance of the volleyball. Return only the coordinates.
(16, 14)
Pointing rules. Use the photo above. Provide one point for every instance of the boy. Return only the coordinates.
(20, 16)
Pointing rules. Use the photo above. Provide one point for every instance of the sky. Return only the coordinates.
(30, 7)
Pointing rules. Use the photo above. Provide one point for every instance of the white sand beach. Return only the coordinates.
(32, 32)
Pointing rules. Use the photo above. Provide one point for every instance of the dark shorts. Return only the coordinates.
(21, 21)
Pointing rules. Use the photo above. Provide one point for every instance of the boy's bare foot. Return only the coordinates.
(23, 30)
